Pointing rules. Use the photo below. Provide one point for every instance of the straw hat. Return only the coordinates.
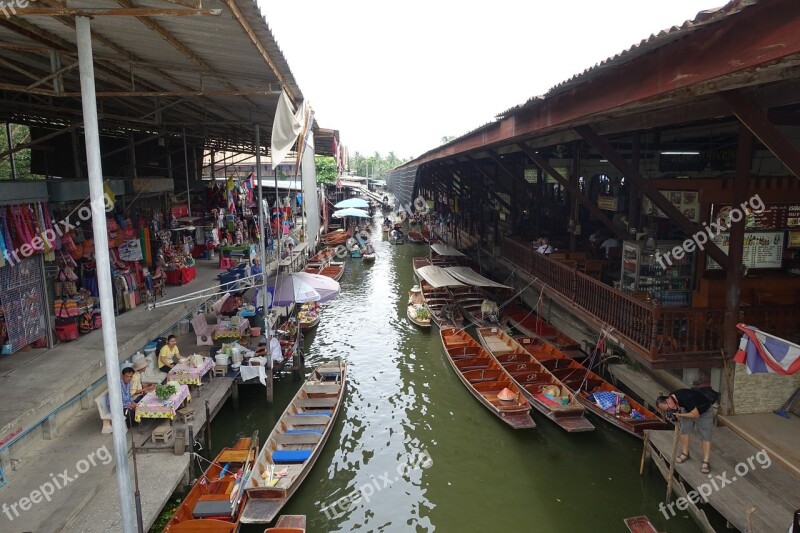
(552, 390)
(140, 364)
(506, 395)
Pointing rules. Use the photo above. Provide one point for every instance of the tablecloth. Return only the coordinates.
(230, 331)
(250, 372)
(189, 375)
(181, 276)
(152, 407)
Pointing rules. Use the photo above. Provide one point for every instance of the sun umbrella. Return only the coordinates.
(351, 212)
(302, 287)
(352, 202)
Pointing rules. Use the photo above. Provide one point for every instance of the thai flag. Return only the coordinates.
(231, 203)
(765, 353)
(249, 185)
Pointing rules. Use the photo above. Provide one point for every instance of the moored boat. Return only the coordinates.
(640, 524)
(369, 254)
(417, 312)
(532, 325)
(215, 501)
(416, 237)
(542, 389)
(334, 270)
(419, 262)
(443, 309)
(485, 379)
(309, 315)
(596, 394)
(295, 443)
(289, 523)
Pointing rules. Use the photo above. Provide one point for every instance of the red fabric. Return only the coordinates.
(545, 400)
(181, 276)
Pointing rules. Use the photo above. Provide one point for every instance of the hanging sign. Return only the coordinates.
(607, 203)
(131, 250)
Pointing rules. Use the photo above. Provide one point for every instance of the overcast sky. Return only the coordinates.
(399, 76)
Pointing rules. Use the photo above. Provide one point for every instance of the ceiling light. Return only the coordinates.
(680, 153)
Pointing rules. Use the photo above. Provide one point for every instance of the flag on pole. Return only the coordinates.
(285, 129)
(305, 139)
(249, 185)
(765, 353)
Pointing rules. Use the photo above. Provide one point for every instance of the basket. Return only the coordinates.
(255, 332)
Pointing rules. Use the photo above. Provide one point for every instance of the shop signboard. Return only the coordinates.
(687, 202)
(607, 203)
(761, 249)
(794, 239)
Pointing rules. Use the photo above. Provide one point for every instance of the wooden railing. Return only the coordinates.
(656, 332)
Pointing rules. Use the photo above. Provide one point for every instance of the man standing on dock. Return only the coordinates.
(693, 409)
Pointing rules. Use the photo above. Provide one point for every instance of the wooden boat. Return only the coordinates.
(309, 315)
(444, 310)
(369, 254)
(289, 523)
(416, 237)
(418, 262)
(326, 254)
(426, 234)
(215, 501)
(396, 237)
(542, 389)
(584, 384)
(485, 379)
(295, 443)
(418, 313)
(471, 301)
(531, 325)
(334, 270)
(640, 524)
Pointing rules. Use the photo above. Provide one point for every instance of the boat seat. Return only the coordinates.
(297, 438)
(309, 420)
(233, 456)
(297, 431)
(330, 388)
(314, 413)
(290, 456)
(311, 403)
(219, 505)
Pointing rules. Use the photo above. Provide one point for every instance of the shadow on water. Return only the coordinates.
(421, 452)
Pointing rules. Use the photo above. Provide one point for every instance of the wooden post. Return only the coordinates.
(672, 461)
(574, 193)
(208, 426)
(634, 204)
(644, 451)
(270, 382)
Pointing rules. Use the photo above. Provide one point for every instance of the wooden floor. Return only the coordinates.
(756, 481)
(778, 435)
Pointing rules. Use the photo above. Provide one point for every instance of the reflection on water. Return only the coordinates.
(404, 405)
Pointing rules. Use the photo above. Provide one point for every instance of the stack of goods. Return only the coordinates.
(308, 313)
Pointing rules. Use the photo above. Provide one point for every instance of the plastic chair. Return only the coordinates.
(203, 330)
(105, 414)
(224, 262)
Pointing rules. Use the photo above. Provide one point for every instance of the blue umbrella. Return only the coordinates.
(350, 212)
(352, 202)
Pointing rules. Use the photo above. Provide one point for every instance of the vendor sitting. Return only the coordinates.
(137, 389)
(231, 306)
(169, 354)
(255, 268)
(128, 402)
(275, 350)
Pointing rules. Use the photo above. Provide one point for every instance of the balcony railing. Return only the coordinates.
(656, 334)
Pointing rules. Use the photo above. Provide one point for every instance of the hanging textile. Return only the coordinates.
(765, 353)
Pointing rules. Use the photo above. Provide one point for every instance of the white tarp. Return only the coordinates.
(470, 277)
(446, 250)
(438, 277)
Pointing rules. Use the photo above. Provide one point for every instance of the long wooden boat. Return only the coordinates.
(295, 443)
(334, 270)
(215, 501)
(419, 262)
(289, 523)
(416, 237)
(426, 234)
(309, 316)
(531, 325)
(369, 254)
(471, 302)
(417, 312)
(640, 524)
(326, 254)
(444, 310)
(485, 379)
(585, 384)
(542, 389)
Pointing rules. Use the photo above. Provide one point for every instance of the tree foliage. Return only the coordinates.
(374, 166)
(22, 159)
(326, 169)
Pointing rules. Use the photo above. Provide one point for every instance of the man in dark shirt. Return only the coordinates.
(693, 409)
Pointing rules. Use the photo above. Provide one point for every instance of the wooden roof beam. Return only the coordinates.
(115, 12)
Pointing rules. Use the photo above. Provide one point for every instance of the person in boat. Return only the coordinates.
(693, 409)
(169, 354)
(231, 306)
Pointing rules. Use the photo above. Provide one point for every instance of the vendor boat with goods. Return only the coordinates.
(596, 394)
(418, 312)
(485, 379)
(544, 390)
(369, 254)
(215, 501)
(295, 443)
(309, 315)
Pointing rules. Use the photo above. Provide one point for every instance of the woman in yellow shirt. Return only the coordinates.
(169, 354)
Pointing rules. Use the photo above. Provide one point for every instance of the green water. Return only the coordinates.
(403, 401)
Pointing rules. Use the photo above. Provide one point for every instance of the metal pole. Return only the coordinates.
(208, 427)
(186, 168)
(137, 495)
(11, 151)
(95, 167)
(262, 215)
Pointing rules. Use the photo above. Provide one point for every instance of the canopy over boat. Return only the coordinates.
(446, 249)
(438, 277)
(470, 277)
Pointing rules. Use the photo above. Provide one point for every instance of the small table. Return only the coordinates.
(232, 332)
(180, 276)
(152, 407)
(189, 375)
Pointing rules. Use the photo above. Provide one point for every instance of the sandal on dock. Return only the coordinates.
(682, 458)
(705, 467)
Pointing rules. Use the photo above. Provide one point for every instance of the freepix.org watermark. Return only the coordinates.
(368, 490)
(9, 9)
(59, 229)
(702, 237)
(716, 483)
(56, 482)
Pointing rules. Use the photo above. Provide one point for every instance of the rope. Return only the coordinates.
(603, 334)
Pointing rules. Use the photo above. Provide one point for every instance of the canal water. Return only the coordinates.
(422, 453)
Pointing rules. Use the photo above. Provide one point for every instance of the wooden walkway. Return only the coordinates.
(743, 482)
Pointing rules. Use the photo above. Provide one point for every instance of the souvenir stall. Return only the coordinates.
(174, 255)
(27, 235)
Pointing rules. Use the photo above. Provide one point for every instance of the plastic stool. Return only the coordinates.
(224, 262)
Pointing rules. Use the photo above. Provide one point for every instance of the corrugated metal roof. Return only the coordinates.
(217, 74)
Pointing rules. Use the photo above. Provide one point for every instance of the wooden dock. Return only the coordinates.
(751, 490)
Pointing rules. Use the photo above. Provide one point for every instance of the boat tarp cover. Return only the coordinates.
(470, 277)
(446, 250)
(438, 277)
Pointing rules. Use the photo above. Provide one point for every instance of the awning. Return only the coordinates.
(470, 277)
(446, 249)
(438, 277)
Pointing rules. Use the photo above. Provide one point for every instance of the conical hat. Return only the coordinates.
(506, 394)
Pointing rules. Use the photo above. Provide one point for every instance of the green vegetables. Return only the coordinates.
(165, 391)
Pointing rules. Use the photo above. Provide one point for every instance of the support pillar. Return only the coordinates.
(262, 215)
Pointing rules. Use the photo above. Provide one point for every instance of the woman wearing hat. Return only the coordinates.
(137, 390)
